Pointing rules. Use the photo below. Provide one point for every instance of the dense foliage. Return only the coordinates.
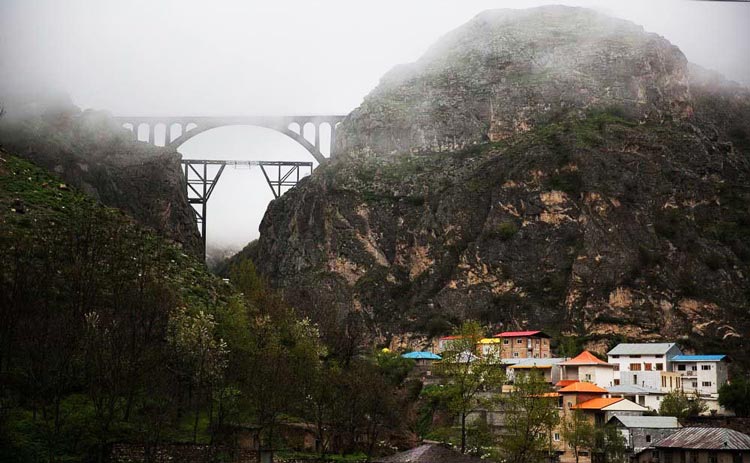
(108, 333)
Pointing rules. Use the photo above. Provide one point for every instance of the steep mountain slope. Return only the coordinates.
(91, 152)
(547, 168)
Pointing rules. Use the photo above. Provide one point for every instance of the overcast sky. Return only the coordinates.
(179, 57)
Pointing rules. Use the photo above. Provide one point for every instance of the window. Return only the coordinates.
(659, 356)
(635, 379)
(545, 341)
(713, 458)
(664, 381)
(506, 341)
(635, 367)
(617, 382)
(681, 367)
(617, 367)
(706, 367)
(647, 366)
(557, 437)
(693, 457)
(635, 356)
(588, 377)
(570, 404)
(706, 384)
(615, 356)
(694, 367)
(695, 384)
(515, 354)
(519, 341)
(659, 367)
(667, 457)
(648, 437)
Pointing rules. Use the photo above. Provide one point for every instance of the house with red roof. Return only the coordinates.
(524, 344)
(587, 367)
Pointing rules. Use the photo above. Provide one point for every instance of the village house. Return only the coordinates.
(641, 432)
(489, 347)
(699, 445)
(548, 367)
(644, 396)
(446, 342)
(701, 374)
(602, 409)
(423, 365)
(642, 364)
(587, 367)
(524, 344)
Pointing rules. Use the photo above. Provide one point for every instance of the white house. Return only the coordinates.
(642, 364)
(645, 396)
(703, 374)
(587, 367)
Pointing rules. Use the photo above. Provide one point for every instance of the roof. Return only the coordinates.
(488, 341)
(530, 366)
(429, 453)
(565, 382)
(598, 403)
(698, 358)
(518, 334)
(449, 338)
(530, 362)
(646, 348)
(651, 422)
(586, 358)
(705, 438)
(633, 389)
(421, 356)
(580, 386)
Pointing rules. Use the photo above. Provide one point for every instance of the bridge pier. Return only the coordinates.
(200, 181)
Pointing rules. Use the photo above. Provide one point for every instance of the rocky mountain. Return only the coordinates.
(551, 168)
(91, 152)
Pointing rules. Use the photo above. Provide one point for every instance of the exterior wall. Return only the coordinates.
(651, 379)
(705, 378)
(670, 381)
(600, 375)
(525, 347)
(645, 363)
(640, 438)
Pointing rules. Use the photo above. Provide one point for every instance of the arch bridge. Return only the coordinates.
(179, 129)
(202, 175)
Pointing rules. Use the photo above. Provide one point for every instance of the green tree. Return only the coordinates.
(578, 432)
(681, 405)
(736, 396)
(530, 416)
(611, 444)
(465, 375)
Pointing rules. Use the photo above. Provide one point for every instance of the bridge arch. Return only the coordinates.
(192, 126)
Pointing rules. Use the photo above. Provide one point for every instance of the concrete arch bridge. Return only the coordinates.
(202, 175)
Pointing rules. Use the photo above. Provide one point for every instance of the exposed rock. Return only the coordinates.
(607, 207)
(91, 152)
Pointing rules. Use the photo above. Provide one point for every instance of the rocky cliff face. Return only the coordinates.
(554, 169)
(90, 151)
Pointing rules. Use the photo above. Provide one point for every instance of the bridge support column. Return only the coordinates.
(199, 188)
(332, 152)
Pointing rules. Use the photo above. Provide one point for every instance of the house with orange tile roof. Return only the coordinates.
(524, 344)
(587, 367)
(579, 392)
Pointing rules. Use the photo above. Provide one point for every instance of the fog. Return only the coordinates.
(245, 57)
